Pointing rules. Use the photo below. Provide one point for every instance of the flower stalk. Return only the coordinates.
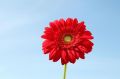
(65, 71)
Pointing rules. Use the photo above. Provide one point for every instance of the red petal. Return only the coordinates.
(47, 34)
(52, 54)
(77, 55)
(62, 24)
(75, 22)
(73, 53)
(57, 56)
(62, 21)
(48, 30)
(47, 46)
(88, 44)
(86, 35)
(80, 28)
(82, 48)
(57, 23)
(82, 55)
(46, 51)
(64, 59)
(69, 22)
(53, 26)
(76, 52)
(71, 57)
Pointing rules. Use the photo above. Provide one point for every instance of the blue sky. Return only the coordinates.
(23, 21)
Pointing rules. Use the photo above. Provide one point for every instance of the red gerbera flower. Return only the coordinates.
(67, 40)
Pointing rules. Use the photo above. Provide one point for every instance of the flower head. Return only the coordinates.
(67, 40)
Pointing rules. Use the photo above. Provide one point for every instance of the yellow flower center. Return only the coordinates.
(68, 38)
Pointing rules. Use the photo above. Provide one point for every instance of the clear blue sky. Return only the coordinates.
(22, 22)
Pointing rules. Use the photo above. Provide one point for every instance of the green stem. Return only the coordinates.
(65, 70)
